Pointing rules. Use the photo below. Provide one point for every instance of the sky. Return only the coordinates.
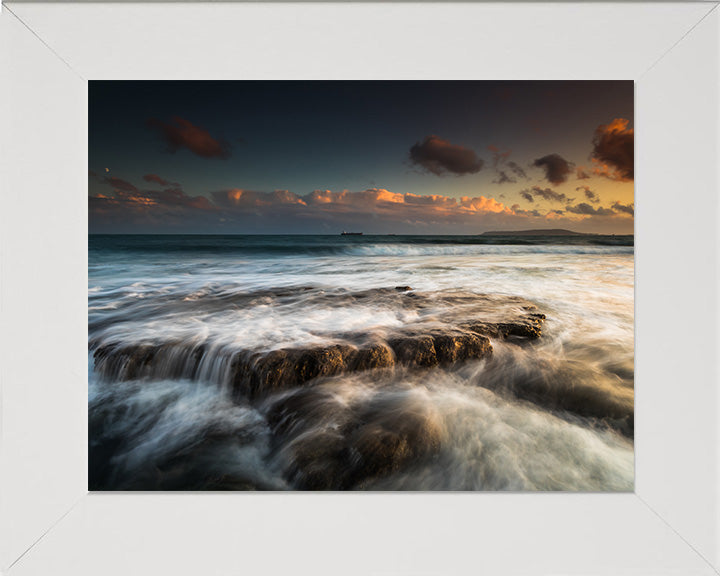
(378, 157)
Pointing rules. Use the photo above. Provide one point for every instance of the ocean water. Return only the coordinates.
(169, 409)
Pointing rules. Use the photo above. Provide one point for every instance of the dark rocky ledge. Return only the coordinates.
(255, 373)
(258, 373)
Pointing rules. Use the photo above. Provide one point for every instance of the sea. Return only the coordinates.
(178, 323)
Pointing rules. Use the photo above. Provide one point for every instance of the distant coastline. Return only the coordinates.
(541, 232)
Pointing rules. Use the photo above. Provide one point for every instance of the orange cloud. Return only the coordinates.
(582, 173)
(482, 204)
(613, 153)
(377, 201)
(127, 197)
(321, 197)
(372, 209)
(382, 195)
(558, 215)
(379, 198)
(238, 197)
(368, 198)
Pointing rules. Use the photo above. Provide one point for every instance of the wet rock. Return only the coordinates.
(308, 427)
(280, 369)
(320, 462)
(258, 373)
(375, 356)
(125, 363)
(168, 360)
(450, 348)
(288, 412)
(529, 326)
(440, 348)
(316, 362)
(261, 374)
(527, 329)
(426, 342)
(415, 351)
(323, 443)
(485, 329)
(396, 433)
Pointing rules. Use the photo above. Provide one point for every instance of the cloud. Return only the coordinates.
(614, 150)
(544, 193)
(237, 198)
(440, 157)
(551, 195)
(163, 201)
(586, 209)
(517, 170)
(499, 157)
(589, 194)
(127, 201)
(374, 201)
(127, 196)
(582, 173)
(120, 184)
(435, 200)
(175, 197)
(364, 201)
(519, 212)
(155, 178)
(503, 178)
(556, 168)
(501, 165)
(626, 208)
(182, 133)
(482, 204)
(126, 208)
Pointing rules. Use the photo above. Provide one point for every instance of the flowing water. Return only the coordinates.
(554, 413)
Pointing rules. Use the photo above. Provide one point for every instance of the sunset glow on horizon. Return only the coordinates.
(306, 157)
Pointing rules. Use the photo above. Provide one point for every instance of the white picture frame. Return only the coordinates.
(50, 524)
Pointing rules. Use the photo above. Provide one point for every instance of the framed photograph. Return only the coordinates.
(429, 320)
(359, 288)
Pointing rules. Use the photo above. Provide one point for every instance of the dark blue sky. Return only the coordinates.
(204, 139)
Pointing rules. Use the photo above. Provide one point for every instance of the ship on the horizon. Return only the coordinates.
(343, 233)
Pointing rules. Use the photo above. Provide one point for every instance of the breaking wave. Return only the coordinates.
(175, 325)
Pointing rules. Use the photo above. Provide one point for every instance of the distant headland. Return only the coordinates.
(544, 232)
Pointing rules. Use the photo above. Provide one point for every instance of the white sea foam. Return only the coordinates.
(230, 301)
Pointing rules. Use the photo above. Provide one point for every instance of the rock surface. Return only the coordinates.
(257, 374)
(327, 444)
(421, 344)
